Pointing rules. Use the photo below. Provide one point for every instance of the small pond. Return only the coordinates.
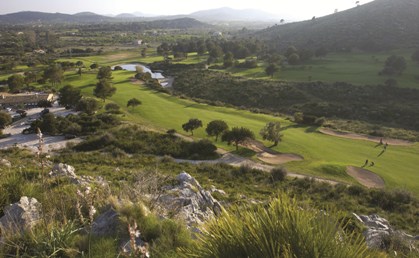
(131, 67)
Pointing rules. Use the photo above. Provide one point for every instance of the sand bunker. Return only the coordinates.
(365, 177)
(270, 156)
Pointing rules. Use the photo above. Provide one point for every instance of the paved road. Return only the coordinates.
(31, 141)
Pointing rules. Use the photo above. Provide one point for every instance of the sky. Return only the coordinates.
(287, 9)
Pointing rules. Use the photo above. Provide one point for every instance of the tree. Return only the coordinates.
(104, 89)
(54, 73)
(394, 65)
(112, 108)
(294, 59)
(15, 83)
(320, 52)
(49, 124)
(415, 56)
(88, 105)
(237, 136)
(391, 82)
(201, 48)
(5, 119)
(69, 96)
(191, 125)
(29, 77)
(271, 132)
(133, 103)
(216, 127)
(271, 69)
(44, 103)
(144, 52)
(291, 50)
(79, 63)
(94, 66)
(228, 60)
(104, 73)
(215, 52)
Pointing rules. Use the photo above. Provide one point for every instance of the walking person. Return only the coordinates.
(366, 163)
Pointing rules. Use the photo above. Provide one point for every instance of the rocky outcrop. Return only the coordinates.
(190, 201)
(64, 170)
(378, 229)
(20, 216)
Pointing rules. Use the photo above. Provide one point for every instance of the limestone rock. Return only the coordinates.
(213, 189)
(190, 201)
(377, 229)
(63, 170)
(5, 163)
(22, 215)
(106, 224)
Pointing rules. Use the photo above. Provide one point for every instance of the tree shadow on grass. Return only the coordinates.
(289, 127)
(381, 153)
(311, 129)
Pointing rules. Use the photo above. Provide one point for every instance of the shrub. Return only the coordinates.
(283, 229)
(356, 190)
(278, 174)
(113, 108)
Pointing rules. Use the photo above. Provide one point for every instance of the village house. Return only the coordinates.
(27, 100)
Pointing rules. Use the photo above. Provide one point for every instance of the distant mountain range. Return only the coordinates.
(229, 14)
(212, 16)
(49, 18)
(378, 25)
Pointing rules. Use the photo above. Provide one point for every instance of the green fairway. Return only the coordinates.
(355, 68)
(325, 156)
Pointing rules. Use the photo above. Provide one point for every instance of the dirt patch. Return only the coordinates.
(365, 137)
(365, 177)
(270, 156)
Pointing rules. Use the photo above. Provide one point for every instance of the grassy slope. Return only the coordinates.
(398, 166)
(355, 68)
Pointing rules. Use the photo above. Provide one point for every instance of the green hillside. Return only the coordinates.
(378, 25)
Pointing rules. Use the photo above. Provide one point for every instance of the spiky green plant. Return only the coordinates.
(283, 229)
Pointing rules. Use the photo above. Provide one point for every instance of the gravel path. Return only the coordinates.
(237, 161)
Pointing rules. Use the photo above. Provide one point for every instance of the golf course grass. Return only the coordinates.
(324, 156)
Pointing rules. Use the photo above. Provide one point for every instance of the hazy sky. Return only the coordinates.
(289, 9)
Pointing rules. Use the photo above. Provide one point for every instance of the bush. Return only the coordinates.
(278, 174)
(283, 229)
(113, 108)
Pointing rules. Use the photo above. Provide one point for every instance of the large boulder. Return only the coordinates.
(189, 201)
(106, 224)
(22, 215)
